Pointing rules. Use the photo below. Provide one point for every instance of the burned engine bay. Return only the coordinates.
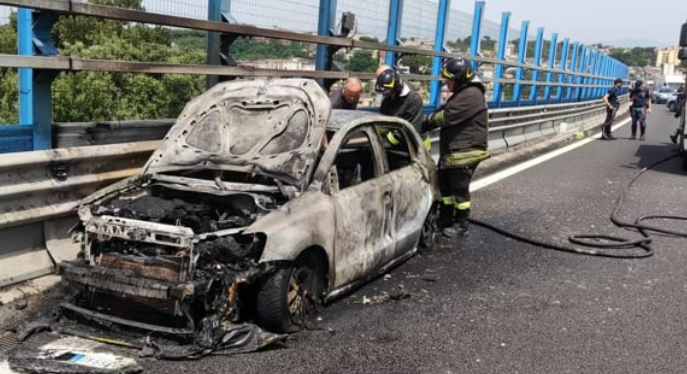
(165, 257)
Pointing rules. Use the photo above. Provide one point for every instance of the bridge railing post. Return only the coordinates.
(584, 59)
(522, 54)
(476, 37)
(501, 56)
(218, 44)
(552, 63)
(393, 30)
(35, 97)
(573, 70)
(325, 27)
(537, 62)
(439, 41)
(563, 66)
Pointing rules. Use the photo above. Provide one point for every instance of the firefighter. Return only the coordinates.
(401, 101)
(464, 124)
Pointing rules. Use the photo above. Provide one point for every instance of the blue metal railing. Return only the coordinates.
(34, 28)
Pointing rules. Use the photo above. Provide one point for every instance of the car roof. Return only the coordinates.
(340, 117)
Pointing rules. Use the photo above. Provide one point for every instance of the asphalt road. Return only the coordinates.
(493, 305)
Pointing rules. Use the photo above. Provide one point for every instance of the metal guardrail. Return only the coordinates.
(40, 190)
(47, 184)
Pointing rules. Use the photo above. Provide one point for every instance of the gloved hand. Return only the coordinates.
(394, 137)
(428, 144)
(433, 121)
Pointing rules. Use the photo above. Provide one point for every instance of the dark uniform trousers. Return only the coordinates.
(454, 184)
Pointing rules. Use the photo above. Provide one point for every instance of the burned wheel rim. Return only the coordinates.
(428, 234)
(300, 292)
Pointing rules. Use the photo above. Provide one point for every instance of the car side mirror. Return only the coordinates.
(683, 35)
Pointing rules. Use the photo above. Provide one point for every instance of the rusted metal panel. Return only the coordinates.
(172, 269)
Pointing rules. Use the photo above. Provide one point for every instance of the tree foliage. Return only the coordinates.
(417, 64)
(98, 96)
(362, 61)
(638, 57)
(9, 80)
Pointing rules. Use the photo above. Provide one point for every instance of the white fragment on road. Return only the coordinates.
(5, 368)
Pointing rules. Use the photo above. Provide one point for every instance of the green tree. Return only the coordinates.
(362, 61)
(9, 80)
(638, 57)
(418, 64)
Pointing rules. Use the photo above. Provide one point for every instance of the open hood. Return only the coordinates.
(270, 127)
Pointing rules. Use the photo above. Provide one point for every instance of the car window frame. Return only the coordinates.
(412, 145)
(330, 156)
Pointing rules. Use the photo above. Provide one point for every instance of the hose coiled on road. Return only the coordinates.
(600, 242)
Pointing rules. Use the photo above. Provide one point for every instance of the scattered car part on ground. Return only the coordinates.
(65, 361)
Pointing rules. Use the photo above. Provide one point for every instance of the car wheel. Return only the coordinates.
(671, 107)
(286, 297)
(429, 230)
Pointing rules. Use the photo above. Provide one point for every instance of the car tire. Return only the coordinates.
(671, 107)
(286, 297)
(428, 234)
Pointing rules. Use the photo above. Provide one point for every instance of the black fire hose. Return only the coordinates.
(600, 243)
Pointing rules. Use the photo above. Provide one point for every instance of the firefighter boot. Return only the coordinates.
(460, 226)
(447, 215)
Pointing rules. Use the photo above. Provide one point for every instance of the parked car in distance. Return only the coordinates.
(662, 95)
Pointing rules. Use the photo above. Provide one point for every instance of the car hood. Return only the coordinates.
(270, 127)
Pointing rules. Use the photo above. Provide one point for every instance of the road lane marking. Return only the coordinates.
(495, 178)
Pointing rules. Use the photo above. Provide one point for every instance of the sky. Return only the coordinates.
(593, 21)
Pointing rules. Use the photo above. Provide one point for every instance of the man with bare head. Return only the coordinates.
(348, 96)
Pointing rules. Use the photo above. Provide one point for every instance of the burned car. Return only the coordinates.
(259, 202)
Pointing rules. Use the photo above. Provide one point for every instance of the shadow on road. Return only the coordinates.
(650, 154)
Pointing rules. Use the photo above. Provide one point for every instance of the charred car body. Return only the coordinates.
(242, 215)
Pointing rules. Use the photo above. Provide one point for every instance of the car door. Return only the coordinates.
(363, 200)
(411, 188)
